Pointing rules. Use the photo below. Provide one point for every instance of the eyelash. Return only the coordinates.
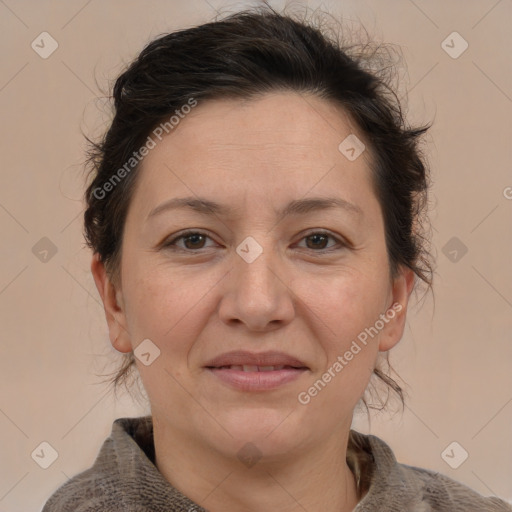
(170, 244)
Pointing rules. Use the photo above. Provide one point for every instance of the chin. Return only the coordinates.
(268, 429)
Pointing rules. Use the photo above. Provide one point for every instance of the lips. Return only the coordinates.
(248, 371)
(250, 361)
(254, 368)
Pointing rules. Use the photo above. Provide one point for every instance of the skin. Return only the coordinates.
(302, 296)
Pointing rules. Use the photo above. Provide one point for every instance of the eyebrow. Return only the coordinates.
(296, 207)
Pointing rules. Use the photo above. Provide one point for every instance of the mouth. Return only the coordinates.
(246, 371)
(255, 368)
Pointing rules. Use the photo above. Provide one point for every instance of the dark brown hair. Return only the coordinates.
(245, 55)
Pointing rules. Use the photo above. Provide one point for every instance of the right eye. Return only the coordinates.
(193, 241)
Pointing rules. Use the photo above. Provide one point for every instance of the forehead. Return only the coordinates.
(268, 149)
(296, 119)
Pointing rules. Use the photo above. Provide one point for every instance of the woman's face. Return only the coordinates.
(277, 286)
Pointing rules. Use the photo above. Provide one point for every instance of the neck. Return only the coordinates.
(316, 479)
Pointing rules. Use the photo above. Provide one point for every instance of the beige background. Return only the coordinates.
(456, 359)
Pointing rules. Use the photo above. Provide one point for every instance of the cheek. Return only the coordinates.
(169, 309)
(343, 303)
(344, 309)
(166, 305)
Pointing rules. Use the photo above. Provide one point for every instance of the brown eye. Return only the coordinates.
(192, 240)
(318, 241)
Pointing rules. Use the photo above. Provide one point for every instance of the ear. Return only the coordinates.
(397, 309)
(113, 305)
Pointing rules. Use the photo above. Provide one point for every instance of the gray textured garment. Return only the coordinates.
(124, 478)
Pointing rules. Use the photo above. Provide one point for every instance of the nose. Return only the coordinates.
(258, 294)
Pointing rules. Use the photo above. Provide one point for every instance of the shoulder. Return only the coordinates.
(392, 486)
(86, 492)
(113, 476)
(442, 493)
(123, 478)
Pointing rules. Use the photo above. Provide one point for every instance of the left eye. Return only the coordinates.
(319, 239)
(196, 240)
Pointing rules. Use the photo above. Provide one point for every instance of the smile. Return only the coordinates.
(250, 378)
(253, 368)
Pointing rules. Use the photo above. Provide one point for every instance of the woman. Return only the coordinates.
(255, 215)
